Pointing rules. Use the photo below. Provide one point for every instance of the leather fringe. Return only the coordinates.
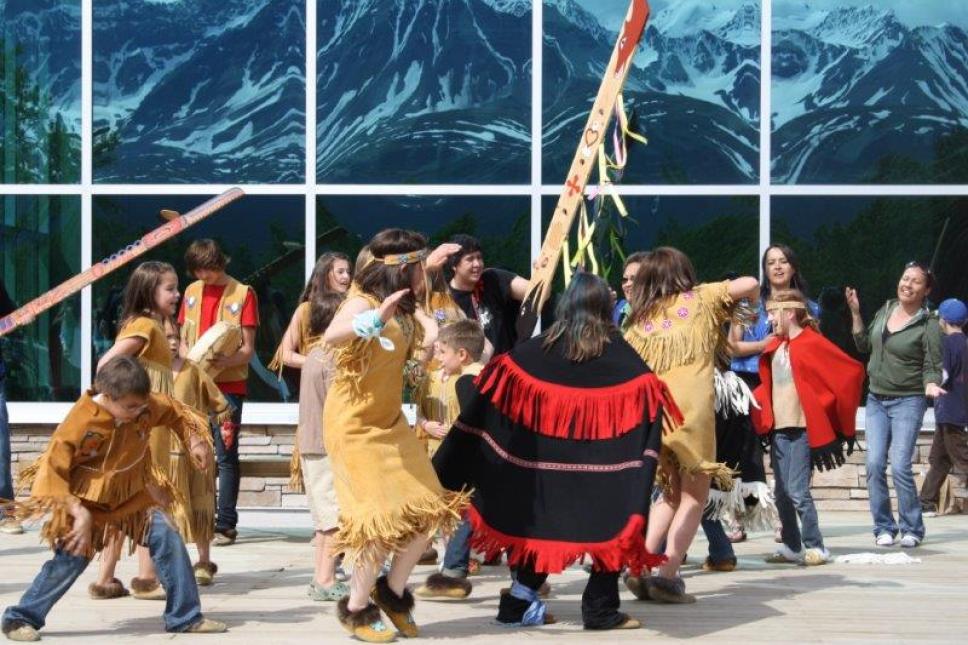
(370, 539)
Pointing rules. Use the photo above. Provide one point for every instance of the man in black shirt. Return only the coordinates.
(491, 296)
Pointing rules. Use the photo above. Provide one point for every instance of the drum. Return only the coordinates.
(221, 338)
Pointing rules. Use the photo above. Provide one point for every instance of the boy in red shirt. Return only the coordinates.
(215, 296)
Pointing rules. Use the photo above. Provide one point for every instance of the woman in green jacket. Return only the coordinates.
(904, 342)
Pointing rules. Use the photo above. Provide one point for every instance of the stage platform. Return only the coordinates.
(261, 594)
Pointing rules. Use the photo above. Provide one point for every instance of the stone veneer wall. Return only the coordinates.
(266, 450)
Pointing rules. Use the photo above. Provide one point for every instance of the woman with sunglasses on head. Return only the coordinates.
(904, 342)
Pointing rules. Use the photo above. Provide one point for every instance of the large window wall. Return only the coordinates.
(837, 126)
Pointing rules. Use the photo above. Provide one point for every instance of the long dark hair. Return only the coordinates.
(663, 272)
(583, 318)
(322, 310)
(139, 293)
(318, 288)
(797, 282)
(380, 280)
(319, 279)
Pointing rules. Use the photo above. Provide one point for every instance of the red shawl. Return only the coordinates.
(829, 383)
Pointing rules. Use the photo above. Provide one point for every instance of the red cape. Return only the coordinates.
(828, 381)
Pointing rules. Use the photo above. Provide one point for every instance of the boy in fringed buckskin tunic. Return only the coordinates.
(96, 479)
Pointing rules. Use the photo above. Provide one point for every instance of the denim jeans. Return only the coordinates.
(229, 472)
(182, 607)
(720, 548)
(458, 553)
(892, 431)
(6, 477)
(792, 464)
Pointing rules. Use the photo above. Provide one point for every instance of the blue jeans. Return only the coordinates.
(892, 431)
(458, 553)
(229, 471)
(182, 608)
(720, 548)
(6, 477)
(791, 469)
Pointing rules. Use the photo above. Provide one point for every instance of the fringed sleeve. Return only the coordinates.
(302, 340)
(211, 399)
(48, 480)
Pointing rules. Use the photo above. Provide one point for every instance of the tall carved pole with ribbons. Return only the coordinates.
(586, 157)
(175, 224)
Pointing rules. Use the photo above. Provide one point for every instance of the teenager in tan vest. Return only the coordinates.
(215, 296)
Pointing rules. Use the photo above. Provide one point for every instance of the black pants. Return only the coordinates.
(599, 602)
(948, 448)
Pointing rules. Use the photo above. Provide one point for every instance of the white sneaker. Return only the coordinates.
(814, 557)
(884, 539)
(910, 541)
(785, 555)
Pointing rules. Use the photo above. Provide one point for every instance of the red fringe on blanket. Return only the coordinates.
(627, 549)
(565, 412)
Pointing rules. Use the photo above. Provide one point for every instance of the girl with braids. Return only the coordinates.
(678, 329)
(150, 297)
(389, 497)
(808, 402)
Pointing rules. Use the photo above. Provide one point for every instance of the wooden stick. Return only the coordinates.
(572, 192)
(26, 314)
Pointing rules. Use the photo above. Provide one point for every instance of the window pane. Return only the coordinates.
(40, 91)
(694, 87)
(864, 242)
(501, 224)
(40, 248)
(199, 92)
(424, 92)
(264, 237)
(719, 234)
(870, 92)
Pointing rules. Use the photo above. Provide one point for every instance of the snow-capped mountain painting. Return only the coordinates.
(694, 87)
(40, 91)
(199, 91)
(428, 91)
(869, 92)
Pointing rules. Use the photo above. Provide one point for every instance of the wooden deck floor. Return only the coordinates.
(261, 595)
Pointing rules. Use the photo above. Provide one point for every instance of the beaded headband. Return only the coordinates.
(404, 258)
(773, 305)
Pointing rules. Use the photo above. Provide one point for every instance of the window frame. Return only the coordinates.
(285, 413)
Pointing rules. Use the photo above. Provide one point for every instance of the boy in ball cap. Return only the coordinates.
(950, 445)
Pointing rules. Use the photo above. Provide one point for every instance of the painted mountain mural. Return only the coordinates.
(199, 91)
(694, 87)
(40, 91)
(424, 91)
(861, 96)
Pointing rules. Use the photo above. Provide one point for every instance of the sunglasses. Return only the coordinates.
(924, 268)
